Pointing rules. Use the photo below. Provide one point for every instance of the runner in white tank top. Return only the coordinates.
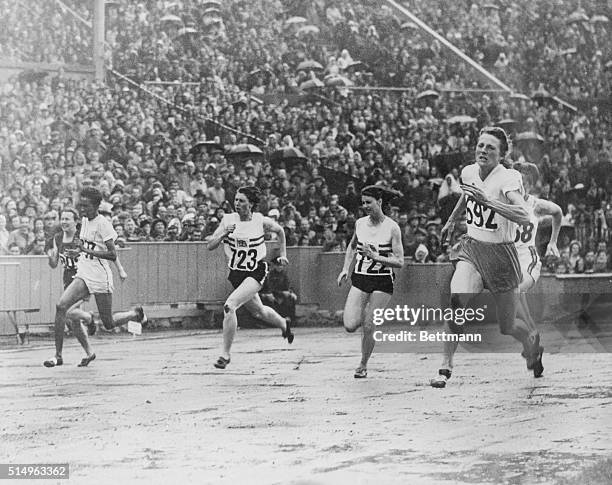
(95, 248)
(493, 202)
(377, 247)
(242, 234)
(526, 236)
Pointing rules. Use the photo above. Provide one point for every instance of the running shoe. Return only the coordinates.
(142, 316)
(441, 379)
(288, 334)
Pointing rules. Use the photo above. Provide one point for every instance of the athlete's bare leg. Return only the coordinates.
(245, 292)
(262, 312)
(379, 299)
(75, 292)
(466, 284)
(522, 310)
(507, 303)
(355, 309)
(104, 301)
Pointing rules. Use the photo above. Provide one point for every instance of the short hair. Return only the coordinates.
(528, 170)
(252, 194)
(74, 213)
(382, 193)
(500, 134)
(92, 194)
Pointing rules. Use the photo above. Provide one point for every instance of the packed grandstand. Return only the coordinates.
(309, 101)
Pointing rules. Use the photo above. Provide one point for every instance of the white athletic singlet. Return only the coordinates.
(245, 246)
(379, 239)
(483, 223)
(94, 235)
(526, 233)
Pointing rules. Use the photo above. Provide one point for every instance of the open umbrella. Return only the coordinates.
(311, 84)
(460, 119)
(507, 124)
(287, 154)
(527, 136)
(211, 12)
(520, 97)
(428, 94)
(211, 3)
(295, 21)
(599, 19)
(308, 29)
(185, 31)
(338, 81)
(541, 94)
(243, 149)
(309, 65)
(409, 25)
(577, 16)
(174, 19)
(208, 146)
(355, 66)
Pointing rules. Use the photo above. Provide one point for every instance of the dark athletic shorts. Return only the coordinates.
(497, 263)
(369, 284)
(259, 274)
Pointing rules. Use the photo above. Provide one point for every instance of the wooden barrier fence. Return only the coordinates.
(168, 273)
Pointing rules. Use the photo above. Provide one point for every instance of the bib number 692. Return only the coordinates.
(479, 215)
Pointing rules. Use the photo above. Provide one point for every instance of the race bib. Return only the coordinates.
(479, 215)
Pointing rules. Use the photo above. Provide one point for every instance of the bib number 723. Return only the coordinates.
(479, 215)
(243, 260)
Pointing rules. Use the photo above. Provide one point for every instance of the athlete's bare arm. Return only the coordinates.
(219, 235)
(516, 211)
(396, 260)
(348, 259)
(110, 253)
(548, 208)
(53, 255)
(457, 214)
(271, 226)
(122, 274)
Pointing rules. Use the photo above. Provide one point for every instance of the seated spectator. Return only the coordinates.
(37, 248)
(14, 250)
(4, 235)
(575, 261)
(276, 291)
(158, 231)
(22, 236)
(421, 255)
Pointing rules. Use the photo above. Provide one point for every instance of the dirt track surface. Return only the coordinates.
(154, 410)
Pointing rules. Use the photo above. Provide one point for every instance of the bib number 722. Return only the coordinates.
(479, 215)
(243, 260)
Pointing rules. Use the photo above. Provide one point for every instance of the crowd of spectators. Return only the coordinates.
(58, 135)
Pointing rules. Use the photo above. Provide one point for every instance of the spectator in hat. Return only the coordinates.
(144, 231)
(158, 230)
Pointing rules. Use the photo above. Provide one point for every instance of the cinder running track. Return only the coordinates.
(154, 410)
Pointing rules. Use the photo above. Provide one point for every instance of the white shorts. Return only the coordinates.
(97, 286)
(530, 262)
